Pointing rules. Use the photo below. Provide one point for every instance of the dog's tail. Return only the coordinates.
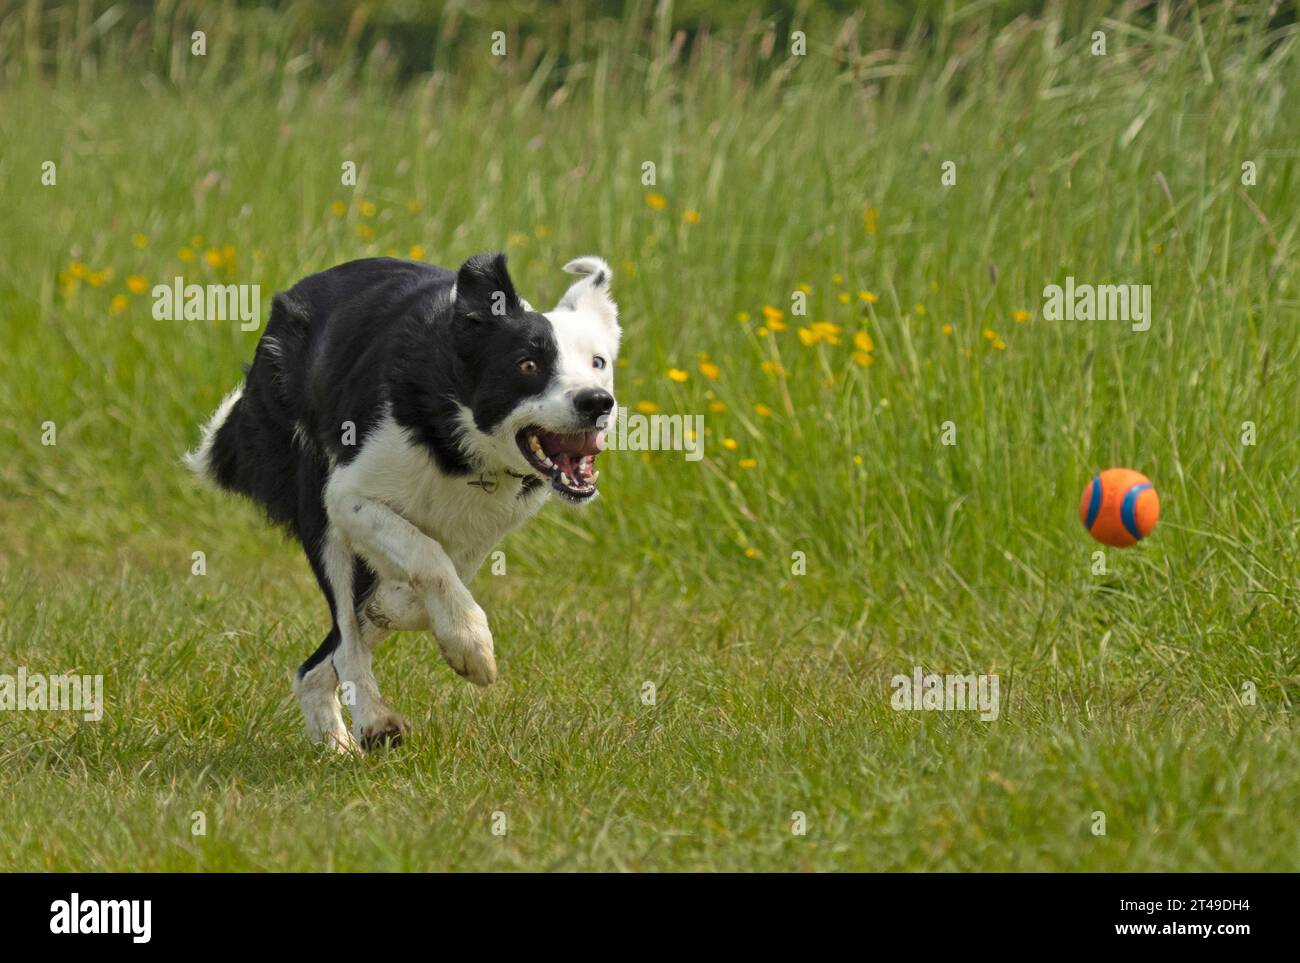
(215, 461)
(251, 445)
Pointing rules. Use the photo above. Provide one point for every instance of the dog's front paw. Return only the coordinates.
(466, 645)
(382, 729)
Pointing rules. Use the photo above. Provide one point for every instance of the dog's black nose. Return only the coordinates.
(593, 402)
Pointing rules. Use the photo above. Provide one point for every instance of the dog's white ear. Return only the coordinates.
(591, 294)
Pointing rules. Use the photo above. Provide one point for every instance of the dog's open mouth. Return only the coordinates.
(568, 460)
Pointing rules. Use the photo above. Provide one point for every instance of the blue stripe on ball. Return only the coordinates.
(1129, 507)
(1094, 506)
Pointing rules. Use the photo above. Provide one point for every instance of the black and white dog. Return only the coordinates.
(399, 419)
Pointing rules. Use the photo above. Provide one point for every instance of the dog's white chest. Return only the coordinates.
(466, 514)
(469, 515)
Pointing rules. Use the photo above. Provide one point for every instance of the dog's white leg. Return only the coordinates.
(394, 606)
(391, 606)
(400, 552)
(317, 692)
(373, 723)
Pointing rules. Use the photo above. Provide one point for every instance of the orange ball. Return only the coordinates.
(1119, 507)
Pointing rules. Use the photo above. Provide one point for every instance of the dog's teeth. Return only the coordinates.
(564, 477)
(535, 445)
(592, 479)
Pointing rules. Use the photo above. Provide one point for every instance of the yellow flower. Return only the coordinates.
(762, 331)
(677, 374)
(804, 286)
(119, 303)
(1000, 345)
(717, 407)
(947, 329)
(990, 334)
(869, 217)
(857, 459)
(416, 253)
(752, 552)
(820, 331)
(517, 240)
(748, 463)
(196, 240)
(844, 297)
(1020, 317)
(742, 317)
(647, 407)
(186, 255)
(365, 232)
(828, 332)
(1158, 248)
(691, 217)
(774, 317)
(367, 208)
(868, 297)
(77, 269)
(228, 252)
(136, 284)
(730, 444)
(861, 359)
(657, 201)
(763, 410)
(338, 208)
(541, 232)
(213, 257)
(140, 240)
(413, 206)
(837, 279)
(773, 368)
(709, 370)
(919, 308)
(862, 341)
(97, 279)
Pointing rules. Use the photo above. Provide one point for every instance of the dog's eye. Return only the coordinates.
(598, 362)
(528, 366)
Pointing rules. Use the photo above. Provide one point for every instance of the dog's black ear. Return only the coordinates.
(484, 290)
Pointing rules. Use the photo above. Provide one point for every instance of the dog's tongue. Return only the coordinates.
(593, 442)
(574, 454)
(576, 445)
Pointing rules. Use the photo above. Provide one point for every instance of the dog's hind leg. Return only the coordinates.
(394, 606)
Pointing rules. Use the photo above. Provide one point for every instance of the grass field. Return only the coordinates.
(1122, 691)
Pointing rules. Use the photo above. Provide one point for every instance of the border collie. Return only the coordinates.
(399, 419)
